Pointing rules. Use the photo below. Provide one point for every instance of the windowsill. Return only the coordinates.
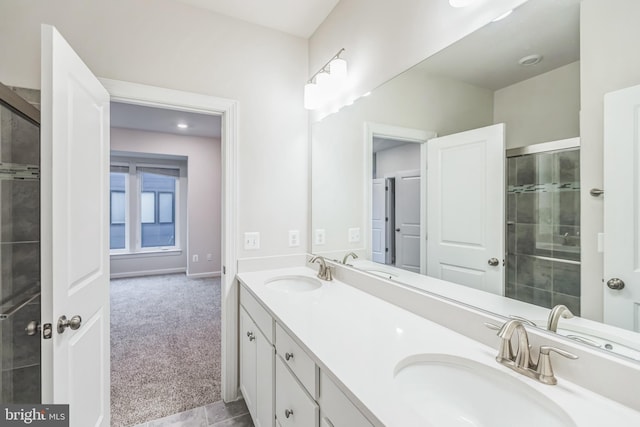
(146, 254)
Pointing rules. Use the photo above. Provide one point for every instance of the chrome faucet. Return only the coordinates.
(557, 312)
(350, 254)
(324, 272)
(521, 362)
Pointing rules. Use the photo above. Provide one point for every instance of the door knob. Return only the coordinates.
(493, 262)
(32, 328)
(615, 284)
(64, 323)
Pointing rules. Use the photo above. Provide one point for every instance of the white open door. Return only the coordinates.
(465, 207)
(378, 220)
(407, 214)
(75, 215)
(621, 209)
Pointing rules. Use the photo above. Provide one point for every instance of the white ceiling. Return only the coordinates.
(380, 144)
(298, 17)
(139, 117)
(489, 57)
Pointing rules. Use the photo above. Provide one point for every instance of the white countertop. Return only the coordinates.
(360, 339)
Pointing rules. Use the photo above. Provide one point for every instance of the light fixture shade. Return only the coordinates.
(338, 70)
(460, 3)
(310, 96)
(324, 88)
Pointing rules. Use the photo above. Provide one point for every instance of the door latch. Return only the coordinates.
(47, 331)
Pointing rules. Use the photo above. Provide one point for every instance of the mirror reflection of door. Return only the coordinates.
(395, 221)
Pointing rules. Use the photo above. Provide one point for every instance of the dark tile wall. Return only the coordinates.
(543, 229)
(19, 257)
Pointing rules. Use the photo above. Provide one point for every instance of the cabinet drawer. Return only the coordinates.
(295, 358)
(258, 313)
(336, 408)
(294, 407)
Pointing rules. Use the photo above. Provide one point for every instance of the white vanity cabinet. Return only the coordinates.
(296, 383)
(336, 410)
(257, 356)
(281, 383)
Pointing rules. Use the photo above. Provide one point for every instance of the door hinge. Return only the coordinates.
(386, 219)
(386, 249)
(224, 270)
(47, 331)
(386, 188)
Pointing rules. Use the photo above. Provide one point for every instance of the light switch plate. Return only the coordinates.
(294, 238)
(319, 236)
(354, 235)
(251, 240)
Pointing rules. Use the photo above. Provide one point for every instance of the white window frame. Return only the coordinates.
(133, 183)
(127, 209)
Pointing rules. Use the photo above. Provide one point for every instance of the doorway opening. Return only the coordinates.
(166, 261)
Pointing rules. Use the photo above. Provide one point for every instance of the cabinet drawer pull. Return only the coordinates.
(288, 356)
(288, 413)
(251, 336)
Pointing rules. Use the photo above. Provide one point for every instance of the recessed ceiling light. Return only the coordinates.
(530, 60)
(504, 15)
(183, 125)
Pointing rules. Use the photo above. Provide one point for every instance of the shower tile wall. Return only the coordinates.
(543, 229)
(19, 256)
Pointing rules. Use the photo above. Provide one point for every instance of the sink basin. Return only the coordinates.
(292, 284)
(451, 391)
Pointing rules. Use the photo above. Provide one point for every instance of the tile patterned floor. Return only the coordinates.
(219, 414)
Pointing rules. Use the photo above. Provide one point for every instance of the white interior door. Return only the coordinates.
(621, 210)
(407, 213)
(378, 220)
(465, 207)
(75, 215)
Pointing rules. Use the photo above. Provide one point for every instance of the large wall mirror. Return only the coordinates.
(466, 168)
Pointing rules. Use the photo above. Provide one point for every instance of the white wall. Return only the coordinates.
(384, 38)
(541, 109)
(203, 196)
(402, 158)
(609, 34)
(169, 44)
(438, 104)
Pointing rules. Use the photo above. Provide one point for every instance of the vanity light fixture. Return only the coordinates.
(183, 125)
(460, 3)
(326, 82)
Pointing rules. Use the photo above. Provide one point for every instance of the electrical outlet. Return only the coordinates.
(320, 236)
(194, 258)
(209, 257)
(252, 240)
(294, 238)
(354, 235)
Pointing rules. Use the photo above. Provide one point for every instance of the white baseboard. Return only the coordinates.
(147, 273)
(204, 275)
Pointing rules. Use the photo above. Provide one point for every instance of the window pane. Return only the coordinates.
(117, 229)
(117, 207)
(160, 230)
(165, 208)
(148, 207)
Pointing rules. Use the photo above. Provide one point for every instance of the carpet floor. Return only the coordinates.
(165, 346)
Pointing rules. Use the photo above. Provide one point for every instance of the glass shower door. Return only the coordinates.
(543, 228)
(19, 254)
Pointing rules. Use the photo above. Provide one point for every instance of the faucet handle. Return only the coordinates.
(545, 370)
